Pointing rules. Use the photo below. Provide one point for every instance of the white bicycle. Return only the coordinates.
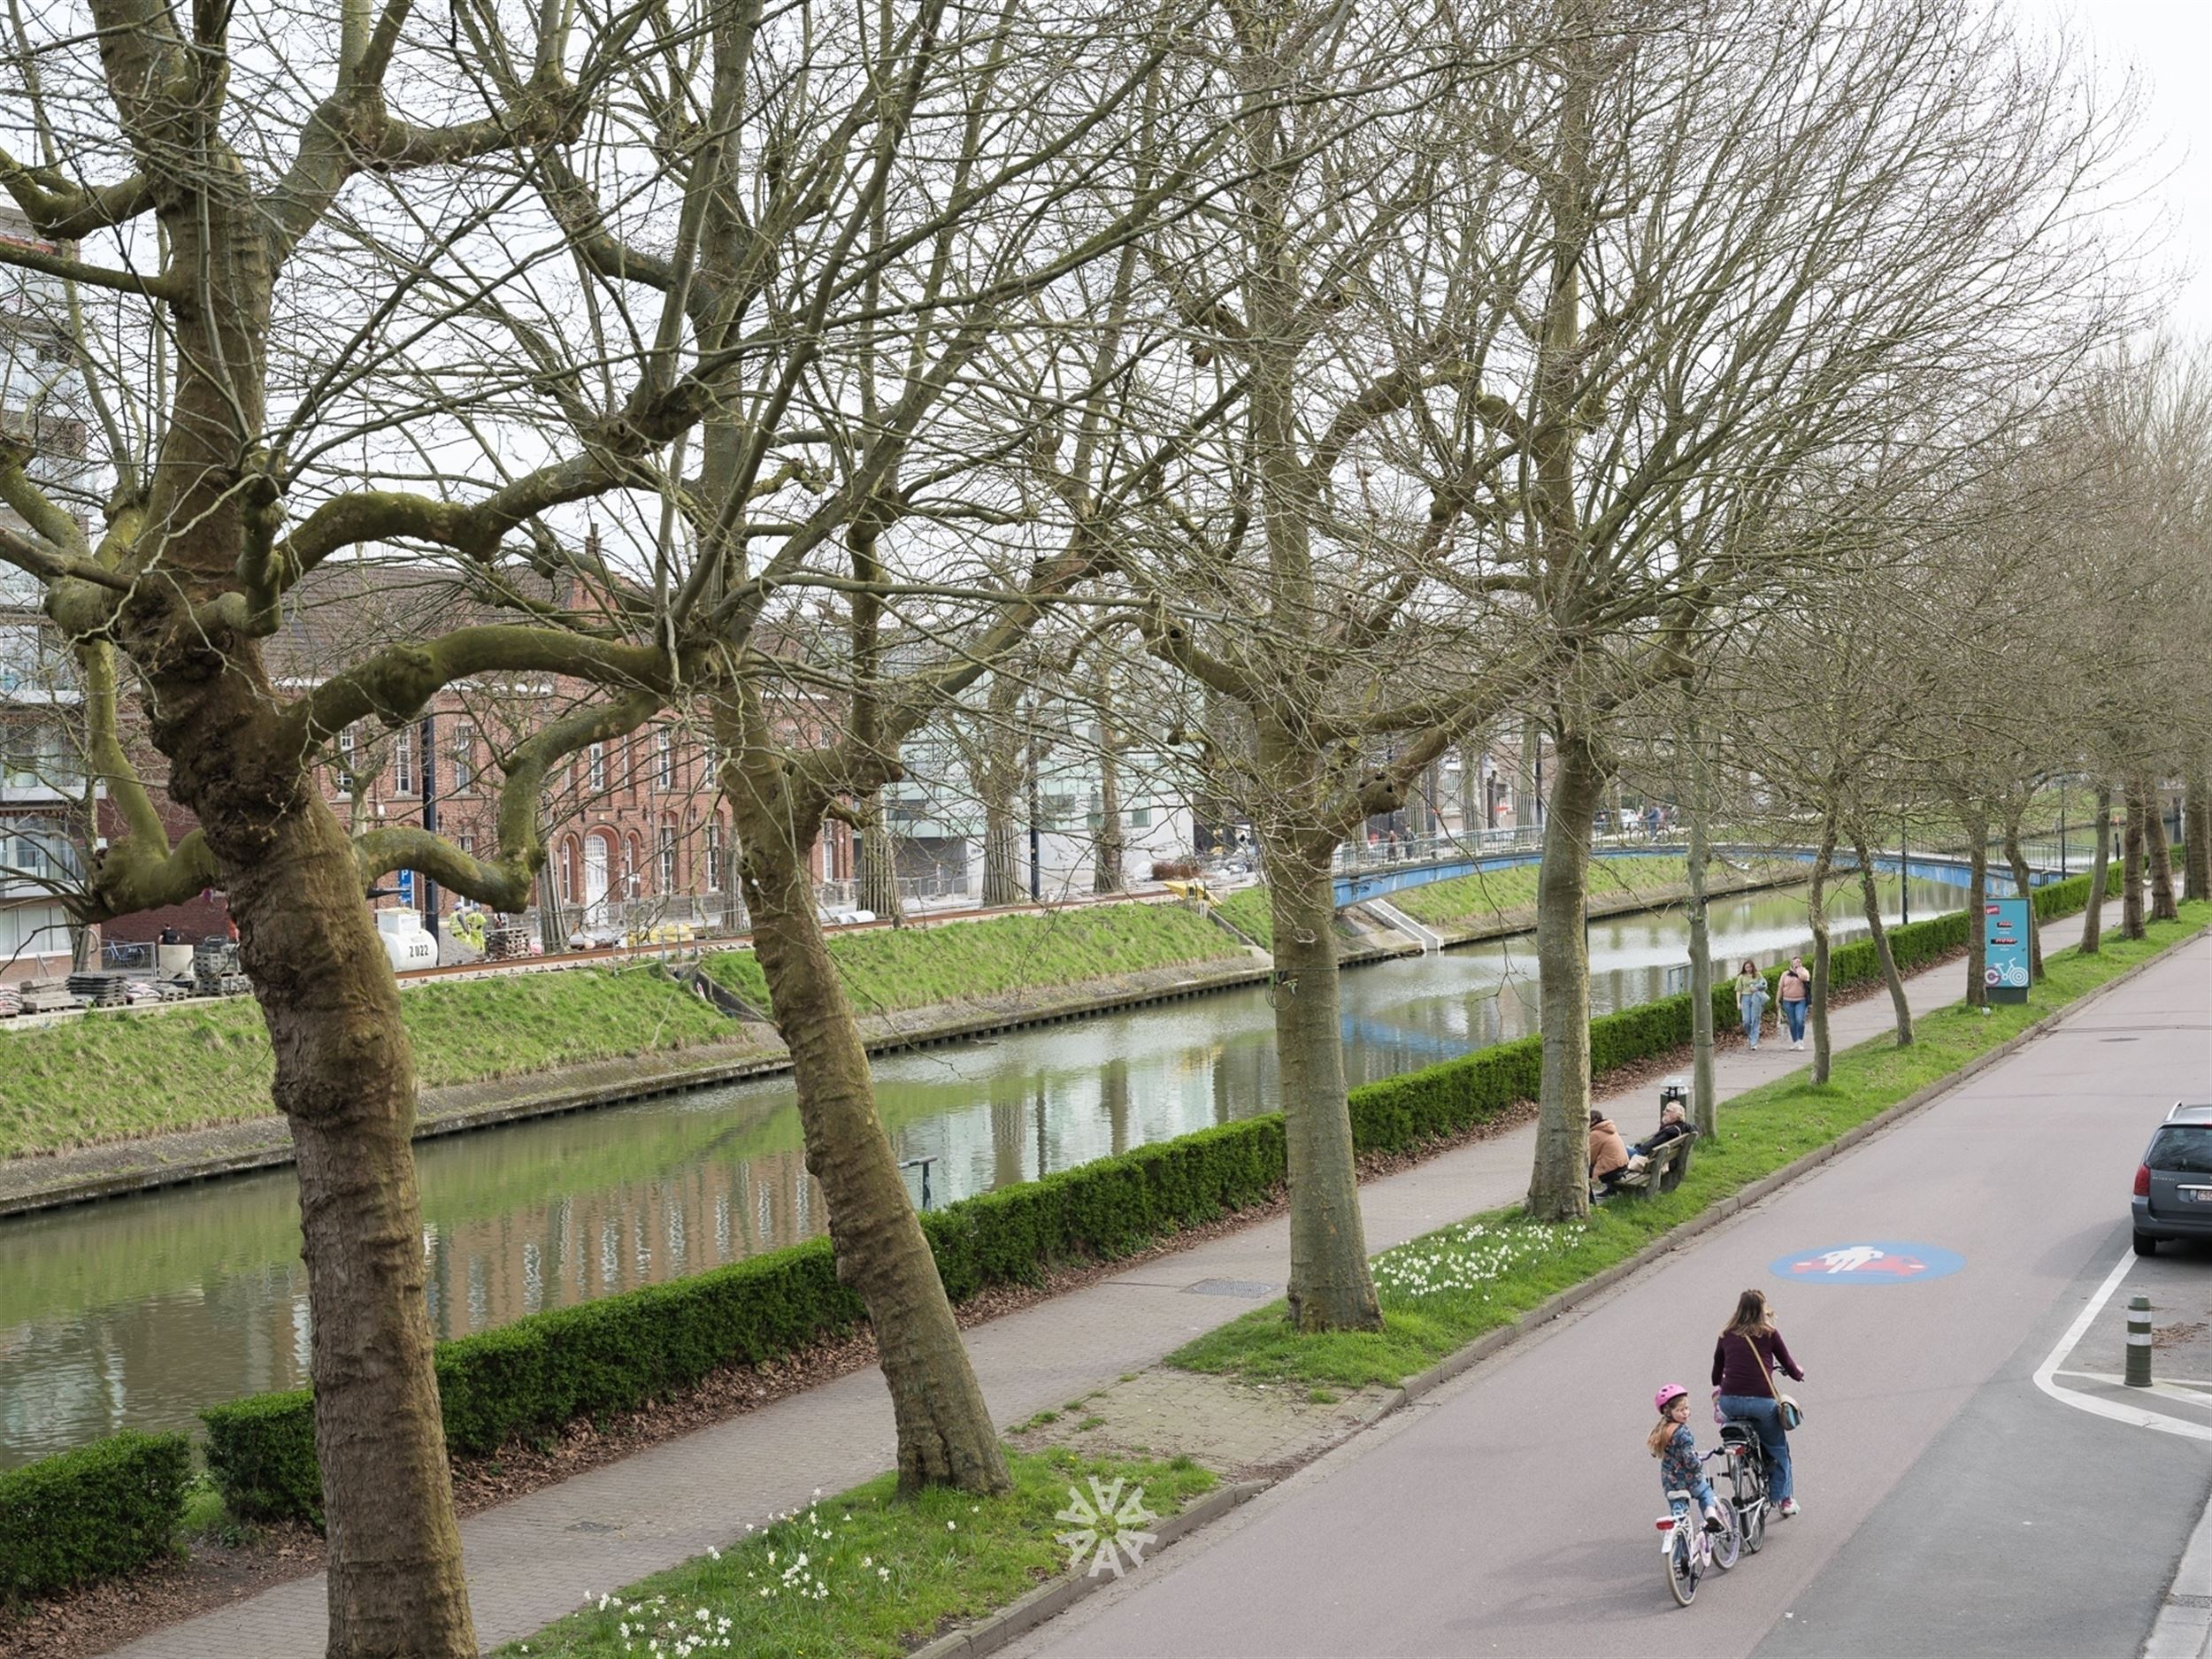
(1691, 1550)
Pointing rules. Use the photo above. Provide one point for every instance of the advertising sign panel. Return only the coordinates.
(2005, 949)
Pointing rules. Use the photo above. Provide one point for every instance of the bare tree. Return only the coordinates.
(1770, 236)
(498, 263)
(1317, 567)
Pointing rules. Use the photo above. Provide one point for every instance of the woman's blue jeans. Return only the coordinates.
(1766, 1415)
(1795, 1013)
(1753, 1009)
(1768, 1418)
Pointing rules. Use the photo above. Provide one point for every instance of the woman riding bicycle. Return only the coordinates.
(1744, 1363)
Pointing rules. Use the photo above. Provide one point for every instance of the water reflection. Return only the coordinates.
(139, 1311)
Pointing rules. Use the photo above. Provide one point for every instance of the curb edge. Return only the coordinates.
(1054, 1597)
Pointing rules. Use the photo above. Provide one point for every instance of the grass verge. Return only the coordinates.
(1441, 1290)
(865, 1575)
(110, 1076)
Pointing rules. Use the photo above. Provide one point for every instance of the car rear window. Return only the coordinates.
(2185, 1148)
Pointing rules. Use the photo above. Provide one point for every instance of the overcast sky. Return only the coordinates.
(2168, 43)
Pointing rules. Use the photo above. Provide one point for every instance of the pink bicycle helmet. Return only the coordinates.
(1667, 1397)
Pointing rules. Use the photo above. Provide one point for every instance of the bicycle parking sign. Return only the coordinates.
(2005, 949)
(1868, 1262)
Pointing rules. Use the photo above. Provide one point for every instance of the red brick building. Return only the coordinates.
(636, 831)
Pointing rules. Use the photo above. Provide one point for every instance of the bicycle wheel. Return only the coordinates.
(1728, 1545)
(1682, 1563)
(1751, 1502)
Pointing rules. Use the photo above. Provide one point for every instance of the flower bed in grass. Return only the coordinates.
(866, 1575)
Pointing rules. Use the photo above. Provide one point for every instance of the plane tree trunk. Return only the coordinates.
(1331, 1286)
(945, 1436)
(2158, 857)
(2131, 866)
(1870, 897)
(2100, 876)
(1817, 913)
(1559, 1187)
(1705, 1106)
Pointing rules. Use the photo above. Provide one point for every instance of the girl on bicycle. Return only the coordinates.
(1672, 1443)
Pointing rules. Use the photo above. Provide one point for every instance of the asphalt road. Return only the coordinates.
(1950, 1506)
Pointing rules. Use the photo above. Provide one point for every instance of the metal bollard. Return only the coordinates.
(2138, 1372)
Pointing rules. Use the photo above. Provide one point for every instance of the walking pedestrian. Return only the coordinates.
(1744, 1363)
(1797, 996)
(1751, 1000)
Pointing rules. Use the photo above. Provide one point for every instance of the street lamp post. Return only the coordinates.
(1904, 871)
(2062, 829)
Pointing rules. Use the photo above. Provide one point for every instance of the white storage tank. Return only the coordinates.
(406, 941)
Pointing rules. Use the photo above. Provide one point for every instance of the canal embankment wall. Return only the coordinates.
(116, 1081)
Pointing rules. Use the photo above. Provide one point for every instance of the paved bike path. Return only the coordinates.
(1510, 1512)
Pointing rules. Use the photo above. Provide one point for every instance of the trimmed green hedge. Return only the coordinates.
(100, 1510)
(621, 1351)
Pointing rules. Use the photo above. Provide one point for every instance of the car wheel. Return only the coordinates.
(2146, 1245)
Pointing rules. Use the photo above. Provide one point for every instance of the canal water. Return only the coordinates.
(136, 1312)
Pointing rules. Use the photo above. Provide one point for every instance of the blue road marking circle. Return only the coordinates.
(1867, 1262)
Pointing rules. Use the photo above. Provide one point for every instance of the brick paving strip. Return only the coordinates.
(545, 1554)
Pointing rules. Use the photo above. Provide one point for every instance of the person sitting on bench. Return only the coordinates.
(1673, 1124)
(1609, 1153)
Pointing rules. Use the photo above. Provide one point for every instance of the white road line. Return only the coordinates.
(2045, 1373)
(2190, 1394)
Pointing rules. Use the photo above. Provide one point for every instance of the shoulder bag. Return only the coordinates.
(1792, 1413)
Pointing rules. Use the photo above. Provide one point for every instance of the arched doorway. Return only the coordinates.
(598, 860)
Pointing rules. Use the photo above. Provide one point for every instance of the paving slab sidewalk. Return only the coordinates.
(543, 1555)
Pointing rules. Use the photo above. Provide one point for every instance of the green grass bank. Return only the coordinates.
(1443, 1290)
(114, 1076)
(1506, 897)
(892, 970)
(118, 1076)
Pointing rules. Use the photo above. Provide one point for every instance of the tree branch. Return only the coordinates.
(30, 259)
(395, 684)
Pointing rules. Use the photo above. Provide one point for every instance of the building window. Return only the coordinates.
(714, 856)
(345, 758)
(1140, 818)
(403, 763)
(664, 756)
(568, 872)
(464, 759)
(596, 759)
(468, 846)
(668, 859)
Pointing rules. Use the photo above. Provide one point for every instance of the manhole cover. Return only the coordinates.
(1252, 1288)
(593, 1526)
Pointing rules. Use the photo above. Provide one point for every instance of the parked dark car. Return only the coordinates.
(2173, 1184)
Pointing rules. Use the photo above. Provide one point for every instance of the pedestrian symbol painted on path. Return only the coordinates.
(1868, 1262)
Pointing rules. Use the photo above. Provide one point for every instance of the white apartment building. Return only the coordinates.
(44, 805)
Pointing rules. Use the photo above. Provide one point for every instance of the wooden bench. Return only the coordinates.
(1663, 1172)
